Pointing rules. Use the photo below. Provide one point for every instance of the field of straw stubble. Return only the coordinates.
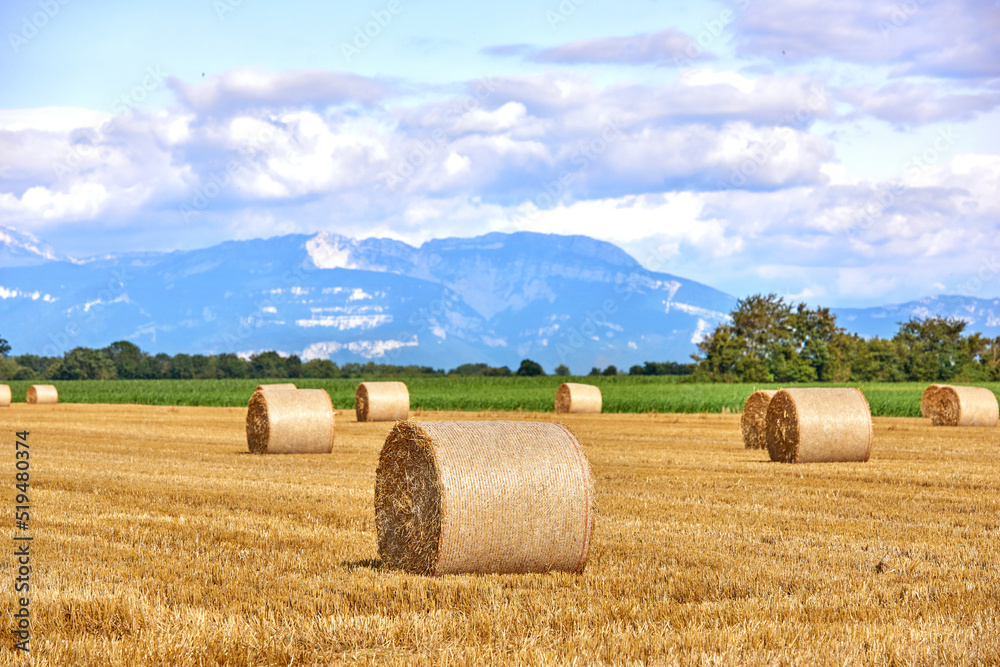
(159, 540)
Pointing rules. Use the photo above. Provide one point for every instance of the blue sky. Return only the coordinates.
(845, 154)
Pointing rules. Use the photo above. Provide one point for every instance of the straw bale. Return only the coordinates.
(4, 395)
(278, 386)
(382, 401)
(580, 399)
(753, 423)
(290, 422)
(925, 400)
(483, 497)
(949, 405)
(811, 425)
(42, 394)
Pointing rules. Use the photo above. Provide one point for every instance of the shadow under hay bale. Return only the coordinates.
(42, 394)
(483, 497)
(580, 399)
(949, 405)
(753, 423)
(819, 425)
(290, 422)
(382, 402)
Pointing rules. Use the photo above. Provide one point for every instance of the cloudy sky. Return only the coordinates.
(841, 153)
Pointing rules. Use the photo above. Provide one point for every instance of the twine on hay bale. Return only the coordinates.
(949, 405)
(382, 402)
(4, 395)
(290, 422)
(753, 423)
(580, 399)
(483, 497)
(813, 425)
(278, 386)
(42, 394)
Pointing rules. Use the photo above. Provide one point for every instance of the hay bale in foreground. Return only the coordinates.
(812, 425)
(42, 394)
(290, 422)
(278, 386)
(382, 401)
(4, 395)
(483, 497)
(753, 423)
(948, 405)
(580, 399)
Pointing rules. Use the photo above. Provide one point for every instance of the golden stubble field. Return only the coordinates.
(159, 540)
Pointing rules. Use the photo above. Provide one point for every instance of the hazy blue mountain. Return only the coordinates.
(496, 298)
(22, 249)
(982, 315)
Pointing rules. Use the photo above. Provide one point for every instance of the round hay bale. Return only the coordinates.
(278, 386)
(926, 405)
(753, 423)
(580, 399)
(382, 402)
(483, 497)
(4, 395)
(949, 405)
(42, 394)
(290, 422)
(812, 425)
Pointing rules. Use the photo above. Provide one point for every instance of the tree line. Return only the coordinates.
(126, 361)
(770, 340)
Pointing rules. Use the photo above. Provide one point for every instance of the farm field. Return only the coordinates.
(159, 540)
(625, 394)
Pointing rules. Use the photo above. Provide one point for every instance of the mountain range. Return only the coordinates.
(497, 298)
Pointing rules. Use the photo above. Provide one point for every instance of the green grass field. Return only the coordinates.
(621, 394)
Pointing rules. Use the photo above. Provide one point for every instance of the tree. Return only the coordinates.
(4, 347)
(562, 369)
(932, 348)
(610, 370)
(320, 368)
(127, 358)
(469, 369)
(181, 367)
(83, 363)
(267, 365)
(231, 366)
(636, 370)
(768, 341)
(529, 368)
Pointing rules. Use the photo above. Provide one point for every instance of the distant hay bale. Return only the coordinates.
(290, 422)
(483, 497)
(948, 405)
(813, 425)
(753, 423)
(4, 395)
(279, 386)
(382, 402)
(42, 394)
(580, 399)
